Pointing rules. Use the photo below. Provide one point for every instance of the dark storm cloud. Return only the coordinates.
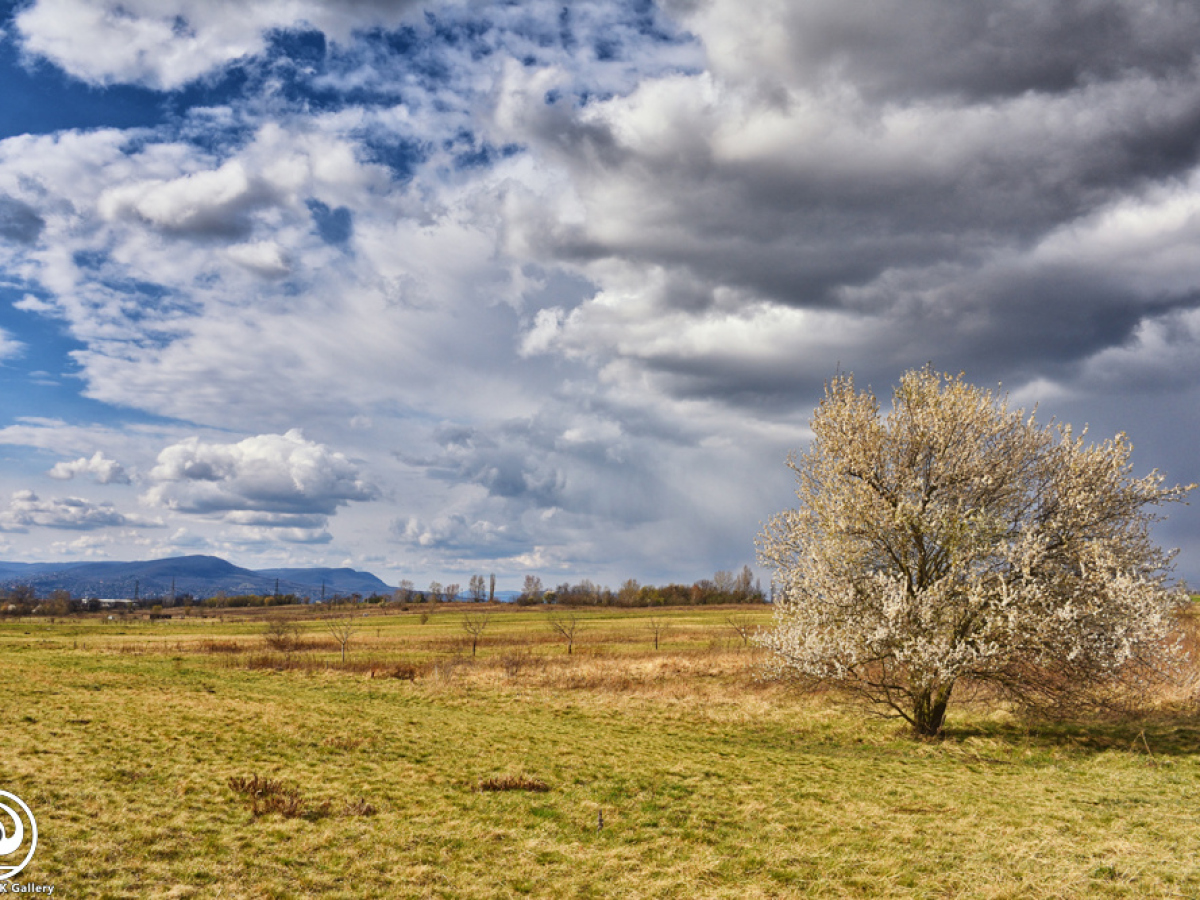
(996, 326)
(898, 166)
(797, 223)
(619, 248)
(980, 51)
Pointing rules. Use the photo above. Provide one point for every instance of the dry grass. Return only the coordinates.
(679, 774)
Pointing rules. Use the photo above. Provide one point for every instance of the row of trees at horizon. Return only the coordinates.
(723, 587)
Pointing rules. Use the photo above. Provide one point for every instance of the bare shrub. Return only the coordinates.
(254, 785)
(517, 661)
(267, 795)
(281, 635)
(443, 670)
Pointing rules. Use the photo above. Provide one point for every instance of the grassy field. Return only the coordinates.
(183, 758)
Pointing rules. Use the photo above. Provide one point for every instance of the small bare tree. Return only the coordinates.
(743, 627)
(474, 624)
(956, 541)
(565, 624)
(342, 622)
(451, 592)
(658, 626)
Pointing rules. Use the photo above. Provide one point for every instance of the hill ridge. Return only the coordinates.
(200, 575)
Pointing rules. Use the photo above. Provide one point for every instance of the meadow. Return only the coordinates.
(191, 758)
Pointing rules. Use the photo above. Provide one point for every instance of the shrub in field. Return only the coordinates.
(281, 635)
(268, 795)
(956, 541)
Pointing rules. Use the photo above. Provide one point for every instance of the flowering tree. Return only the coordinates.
(955, 540)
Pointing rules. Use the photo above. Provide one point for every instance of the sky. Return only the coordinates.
(433, 289)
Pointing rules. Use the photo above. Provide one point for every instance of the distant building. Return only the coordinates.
(112, 603)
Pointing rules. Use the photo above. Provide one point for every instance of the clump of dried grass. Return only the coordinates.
(512, 782)
(269, 795)
(359, 807)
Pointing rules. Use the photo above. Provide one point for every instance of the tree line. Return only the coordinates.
(724, 587)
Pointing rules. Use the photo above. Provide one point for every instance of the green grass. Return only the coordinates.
(710, 782)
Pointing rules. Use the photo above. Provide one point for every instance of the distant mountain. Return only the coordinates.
(200, 576)
(342, 580)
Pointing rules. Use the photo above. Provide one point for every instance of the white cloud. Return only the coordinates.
(26, 510)
(213, 202)
(102, 469)
(244, 287)
(264, 257)
(91, 546)
(268, 536)
(9, 346)
(544, 333)
(276, 480)
(167, 44)
(593, 326)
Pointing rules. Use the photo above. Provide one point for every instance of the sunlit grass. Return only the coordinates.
(669, 774)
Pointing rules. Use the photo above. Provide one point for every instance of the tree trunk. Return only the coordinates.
(929, 709)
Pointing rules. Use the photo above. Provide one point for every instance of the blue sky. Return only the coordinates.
(433, 289)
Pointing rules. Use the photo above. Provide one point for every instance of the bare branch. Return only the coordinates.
(474, 624)
(565, 624)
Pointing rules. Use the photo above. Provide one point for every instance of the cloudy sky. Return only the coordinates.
(438, 288)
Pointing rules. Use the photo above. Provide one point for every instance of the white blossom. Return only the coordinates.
(955, 540)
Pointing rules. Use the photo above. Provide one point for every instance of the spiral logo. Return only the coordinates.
(15, 834)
